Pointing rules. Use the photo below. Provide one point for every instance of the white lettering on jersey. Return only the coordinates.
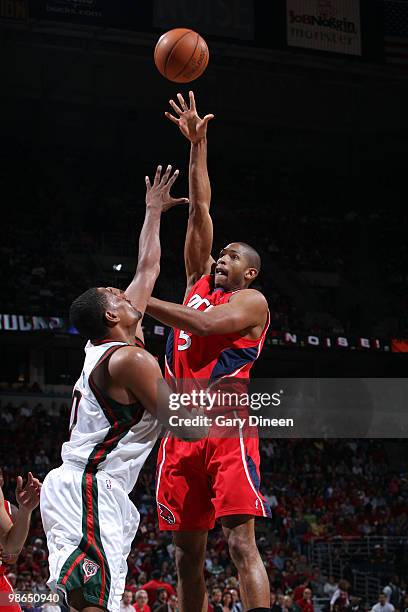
(194, 302)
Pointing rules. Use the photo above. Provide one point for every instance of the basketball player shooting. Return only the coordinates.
(87, 515)
(217, 333)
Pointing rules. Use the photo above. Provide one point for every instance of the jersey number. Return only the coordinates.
(194, 302)
(76, 398)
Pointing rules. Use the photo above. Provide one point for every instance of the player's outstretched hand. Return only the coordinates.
(191, 125)
(158, 195)
(28, 497)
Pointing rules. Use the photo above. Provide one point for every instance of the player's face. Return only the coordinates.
(231, 269)
(120, 306)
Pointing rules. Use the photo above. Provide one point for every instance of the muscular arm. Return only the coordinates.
(148, 267)
(158, 200)
(244, 311)
(138, 371)
(14, 534)
(199, 237)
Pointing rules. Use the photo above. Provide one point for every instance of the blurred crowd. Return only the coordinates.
(322, 267)
(328, 491)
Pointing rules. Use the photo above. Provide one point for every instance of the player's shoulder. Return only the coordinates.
(129, 358)
(250, 296)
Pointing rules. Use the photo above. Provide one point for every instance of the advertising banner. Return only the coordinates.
(234, 19)
(16, 10)
(290, 339)
(325, 25)
(123, 14)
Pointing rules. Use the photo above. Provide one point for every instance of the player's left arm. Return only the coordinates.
(199, 236)
(245, 310)
(158, 200)
(14, 534)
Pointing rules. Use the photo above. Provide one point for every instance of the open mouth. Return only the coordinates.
(219, 271)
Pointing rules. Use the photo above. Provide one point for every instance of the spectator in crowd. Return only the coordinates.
(289, 605)
(383, 605)
(216, 600)
(289, 576)
(161, 599)
(141, 599)
(126, 602)
(356, 604)
(340, 598)
(404, 607)
(393, 592)
(330, 587)
(305, 603)
(299, 590)
(317, 582)
(170, 605)
(226, 602)
(156, 583)
(236, 603)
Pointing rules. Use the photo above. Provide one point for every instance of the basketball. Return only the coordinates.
(181, 55)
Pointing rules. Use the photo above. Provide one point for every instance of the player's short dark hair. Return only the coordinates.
(87, 314)
(253, 257)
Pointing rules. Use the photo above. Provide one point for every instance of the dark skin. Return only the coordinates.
(13, 533)
(246, 314)
(131, 374)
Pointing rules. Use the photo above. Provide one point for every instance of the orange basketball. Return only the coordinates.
(181, 55)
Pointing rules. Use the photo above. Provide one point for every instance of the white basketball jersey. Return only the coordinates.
(104, 434)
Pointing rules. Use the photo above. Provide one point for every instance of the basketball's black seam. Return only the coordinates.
(189, 59)
(172, 49)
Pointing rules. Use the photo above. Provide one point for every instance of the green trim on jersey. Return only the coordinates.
(87, 567)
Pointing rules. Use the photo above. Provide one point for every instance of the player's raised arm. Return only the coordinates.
(14, 534)
(158, 200)
(199, 237)
(246, 310)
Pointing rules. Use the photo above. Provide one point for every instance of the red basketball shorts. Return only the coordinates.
(198, 482)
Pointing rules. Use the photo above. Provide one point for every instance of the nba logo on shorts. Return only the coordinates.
(90, 568)
(109, 484)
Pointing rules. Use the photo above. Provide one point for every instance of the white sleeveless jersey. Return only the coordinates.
(104, 434)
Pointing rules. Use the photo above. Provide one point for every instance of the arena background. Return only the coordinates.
(307, 158)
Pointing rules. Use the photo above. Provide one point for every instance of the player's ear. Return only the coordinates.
(111, 318)
(251, 274)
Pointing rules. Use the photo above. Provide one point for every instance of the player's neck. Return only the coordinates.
(123, 335)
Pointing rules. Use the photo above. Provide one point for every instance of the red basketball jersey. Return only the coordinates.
(210, 358)
(7, 506)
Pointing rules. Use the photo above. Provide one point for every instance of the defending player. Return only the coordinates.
(218, 333)
(87, 515)
(14, 526)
